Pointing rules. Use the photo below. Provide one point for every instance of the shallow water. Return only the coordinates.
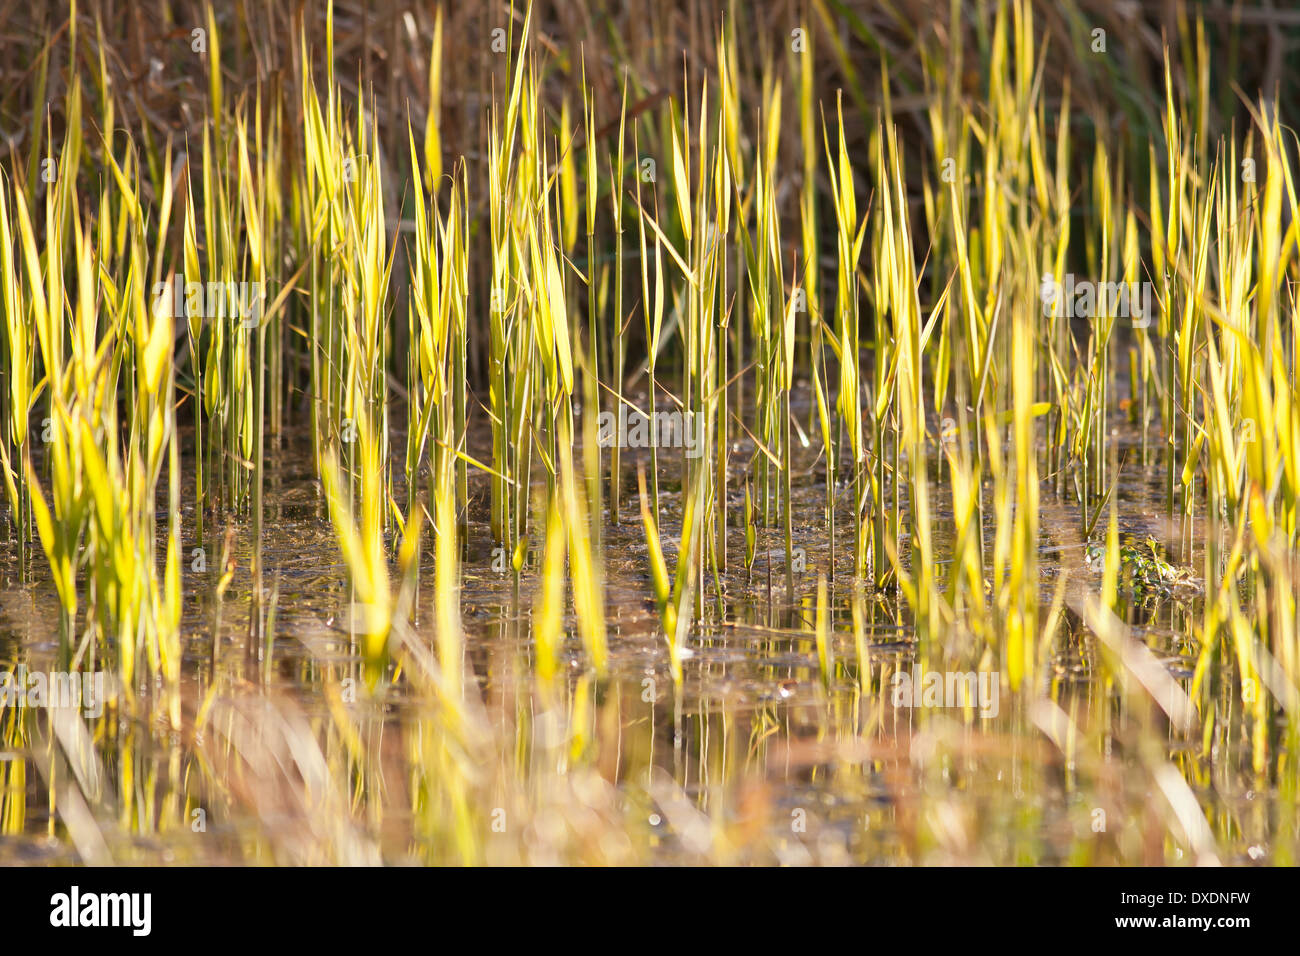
(752, 759)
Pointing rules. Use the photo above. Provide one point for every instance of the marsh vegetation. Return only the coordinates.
(825, 433)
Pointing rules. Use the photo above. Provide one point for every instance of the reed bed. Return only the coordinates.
(928, 371)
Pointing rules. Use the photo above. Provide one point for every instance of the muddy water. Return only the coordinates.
(752, 759)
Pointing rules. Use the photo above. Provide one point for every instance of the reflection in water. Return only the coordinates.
(282, 757)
